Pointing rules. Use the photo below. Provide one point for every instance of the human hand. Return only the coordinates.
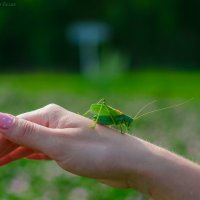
(101, 153)
(58, 134)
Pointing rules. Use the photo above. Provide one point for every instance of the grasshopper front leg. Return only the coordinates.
(121, 129)
(86, 113)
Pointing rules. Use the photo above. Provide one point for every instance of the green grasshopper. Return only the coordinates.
(106, 115)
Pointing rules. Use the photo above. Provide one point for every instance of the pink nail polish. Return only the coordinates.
(6, 121)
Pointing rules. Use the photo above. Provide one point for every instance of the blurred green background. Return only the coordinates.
(73, 53)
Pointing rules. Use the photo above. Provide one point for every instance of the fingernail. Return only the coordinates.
(6, 121)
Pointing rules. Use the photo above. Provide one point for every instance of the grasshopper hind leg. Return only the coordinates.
(97, 117)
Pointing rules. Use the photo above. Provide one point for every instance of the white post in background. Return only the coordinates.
(88, 35)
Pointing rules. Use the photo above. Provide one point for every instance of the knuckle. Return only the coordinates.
(52, 113)
(51, 105)
(50, 109)
(28, 128)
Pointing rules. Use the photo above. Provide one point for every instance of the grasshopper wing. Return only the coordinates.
(99, 109)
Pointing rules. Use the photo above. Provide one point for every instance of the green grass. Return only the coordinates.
(167, 83)
(176, 129)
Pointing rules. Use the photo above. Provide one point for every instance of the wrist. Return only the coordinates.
(138, 164)
(128, 160)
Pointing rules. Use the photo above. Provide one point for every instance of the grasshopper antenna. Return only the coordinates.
(145, 106)
(103, 100)
(160, 109)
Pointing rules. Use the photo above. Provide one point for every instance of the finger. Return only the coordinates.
(48, 116)
(6, 146)
(28, 134)
(17, 154)
(114, 183)
(38, 156)
(35, 116)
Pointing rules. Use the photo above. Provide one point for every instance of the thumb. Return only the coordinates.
(26, 133)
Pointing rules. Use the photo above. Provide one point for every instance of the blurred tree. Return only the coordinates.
(150, 32)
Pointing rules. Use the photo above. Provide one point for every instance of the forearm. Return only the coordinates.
(162, 174)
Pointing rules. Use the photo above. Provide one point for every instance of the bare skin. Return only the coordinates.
(101, 153)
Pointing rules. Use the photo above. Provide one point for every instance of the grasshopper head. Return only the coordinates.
(128, 121)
